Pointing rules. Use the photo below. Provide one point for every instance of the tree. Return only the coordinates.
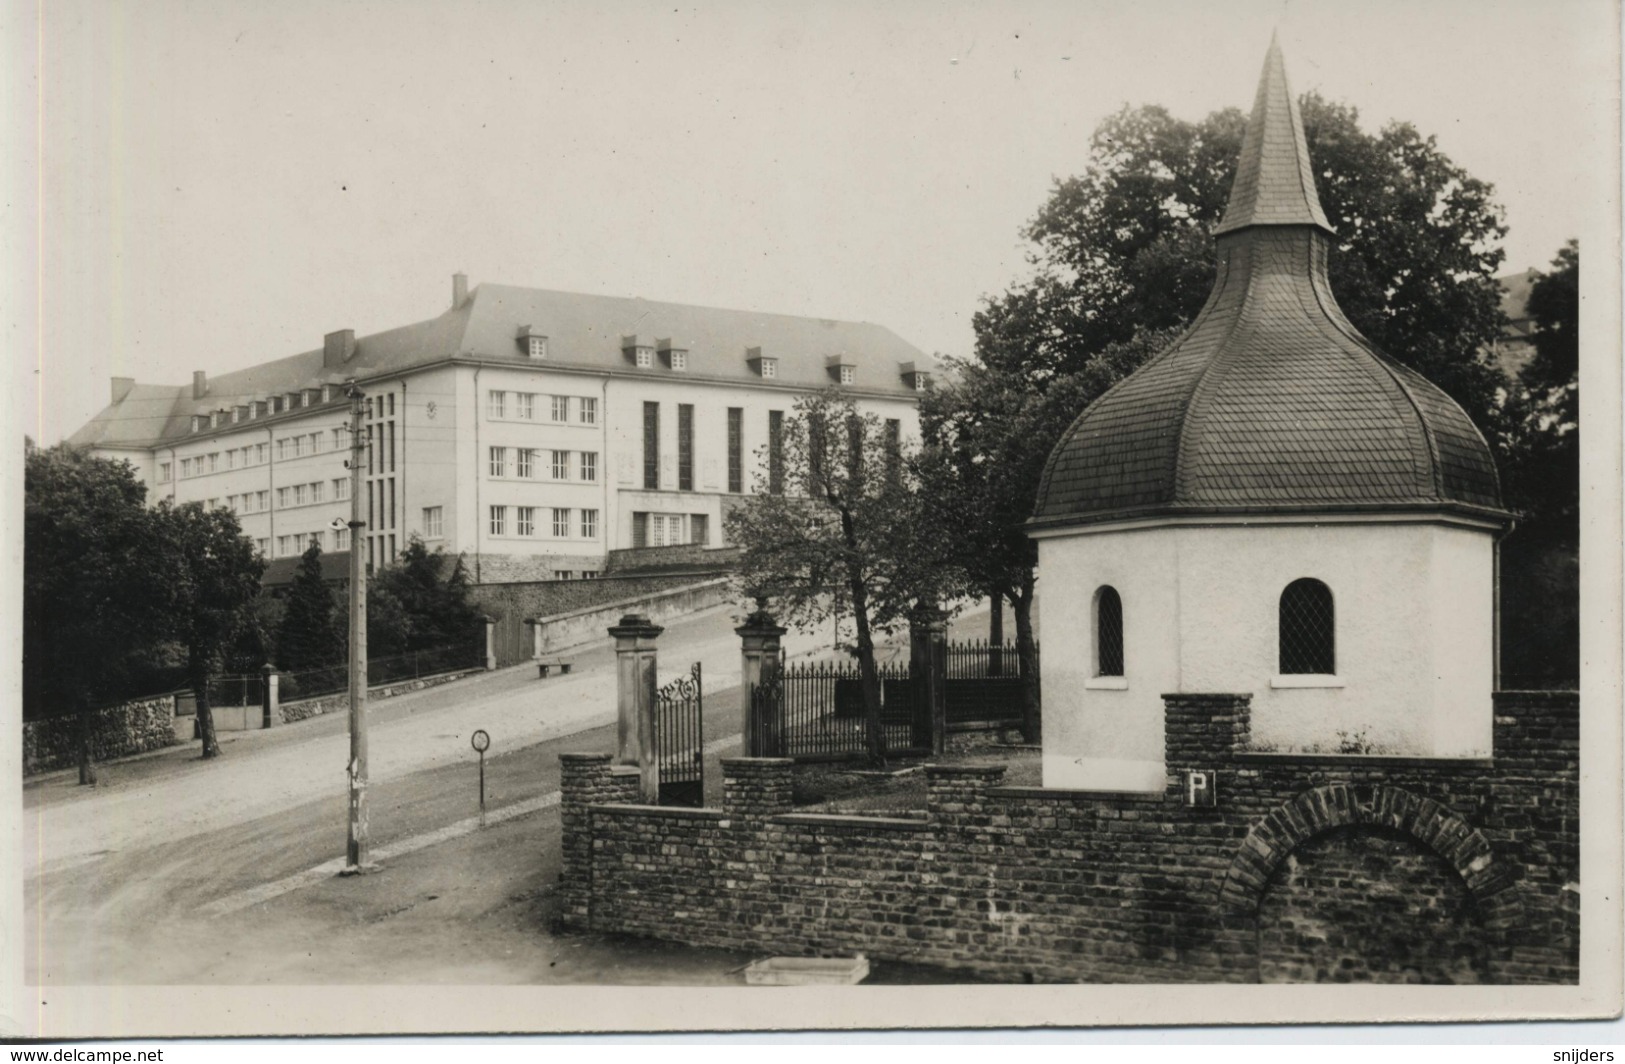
(1126, 247)
(92, 581)
(212, 574)
(989, 434)
(420, 602)
(1540, 565)
(847, 536)
(311, 635)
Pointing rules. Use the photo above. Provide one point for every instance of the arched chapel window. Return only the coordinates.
(1108, 632)
(1307, 628)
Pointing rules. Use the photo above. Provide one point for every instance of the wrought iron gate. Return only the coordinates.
(679, 740)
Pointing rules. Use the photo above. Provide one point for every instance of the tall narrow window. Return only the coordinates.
(589, 411)
(561, 465)
(775, 452)
(589, 465)
(561, 522)
(433, 522)
(1307, 628)
(499, 461)
(527, 406)
(499, 520)
(685, 447)
(527, 521)
(640, 529)
(496, 404)
(736, 449)
(651, 445)
(560, 408)
(1108, 632)
(527, 460)
(699, 529)
(817, 445)
(589, 524)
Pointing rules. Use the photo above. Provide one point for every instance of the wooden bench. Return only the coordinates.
(554, 663)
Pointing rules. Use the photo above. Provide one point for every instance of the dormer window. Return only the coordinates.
(644, 357)
(847, 374)
(765, 366)
(197, 422)
(533, 343)
(327, 393)
(639, 350)
(674, 356)
(842, 368)
(916, 376)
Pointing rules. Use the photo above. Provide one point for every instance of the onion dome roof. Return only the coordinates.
(1272, 402)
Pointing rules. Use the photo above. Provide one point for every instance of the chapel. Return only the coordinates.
(1270, 506)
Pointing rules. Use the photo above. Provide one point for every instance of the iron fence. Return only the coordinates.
(983, 682)
(814, 711)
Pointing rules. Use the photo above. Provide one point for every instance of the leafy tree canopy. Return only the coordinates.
(312, 633)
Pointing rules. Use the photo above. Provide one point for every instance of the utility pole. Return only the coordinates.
(355, 858)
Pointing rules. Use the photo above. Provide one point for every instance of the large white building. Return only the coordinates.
(1273, 507)
(530, 431)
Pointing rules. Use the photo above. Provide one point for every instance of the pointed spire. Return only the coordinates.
(1274, 182)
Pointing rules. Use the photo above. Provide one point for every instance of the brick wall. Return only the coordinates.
(1310, 867)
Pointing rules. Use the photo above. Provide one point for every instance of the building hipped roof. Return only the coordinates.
(584, 332)
(1272, 402)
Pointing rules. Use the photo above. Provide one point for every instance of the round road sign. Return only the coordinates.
(480, 741)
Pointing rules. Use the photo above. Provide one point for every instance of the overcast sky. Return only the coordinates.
(224, 182)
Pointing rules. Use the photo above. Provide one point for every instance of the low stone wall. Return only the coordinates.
(118, 731)
(580, 626)
(1307, 868)
(305, 708)
(690, 557)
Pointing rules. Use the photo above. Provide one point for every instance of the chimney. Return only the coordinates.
(459, 290)
(200, 384)
(121, 387)
(338, 348)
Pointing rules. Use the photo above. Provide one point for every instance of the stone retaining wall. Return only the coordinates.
(305, 708)
(1324, 867)
(118, 731)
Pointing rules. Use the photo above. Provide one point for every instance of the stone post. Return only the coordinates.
(635, 670)
(535, 627)
(756, 786)
(490, 642)
(928, 676)
(269, 702)
(956, 794)
(1202, 732)
(759, 645)
(584, 780)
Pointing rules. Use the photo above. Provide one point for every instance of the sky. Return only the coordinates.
(221, 183)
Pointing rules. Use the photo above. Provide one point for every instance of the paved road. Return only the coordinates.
(160, 874)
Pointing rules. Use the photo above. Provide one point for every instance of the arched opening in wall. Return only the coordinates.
(1108, 648)
(1369, 905)
(1307, 628)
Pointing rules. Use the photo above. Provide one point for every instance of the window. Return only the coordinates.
(775, 452)
(341, 539)
(848, 374)
(283, 546)
(315, 443)
(536, 347)
(300, 494)
(433, 522)
(264, 500)
(589, 524)
(341, 488)
(499, 520)
(640, 529)
(1108, 632)
(316, 492)
(589, 465)
(685, 445)
(589, 574)
(699, 527)
(1307, 628)
(231, 459)
(499, 461)
(527, 521)
(163, 472)
(263, 545)
(563, 574)
(770, 368)
(679, 360)
(496, 404)
(651, 445)
(527, 406)
(560, 405)
(561, 522)
(213, 504)
(281, 454)
(644, 357)
(561, 465)
(282, 499)
(262, 453)
(214, 461)
(589, 411)
(736, 449)
(527, 462)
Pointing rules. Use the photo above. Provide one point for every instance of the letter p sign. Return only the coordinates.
(1201, 788)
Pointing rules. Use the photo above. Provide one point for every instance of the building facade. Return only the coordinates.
(530, 431)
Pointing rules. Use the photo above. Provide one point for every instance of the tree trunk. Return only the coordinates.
(87, 765)
(995, 632)
(1032, 707)
(205, 716)
(868, 678)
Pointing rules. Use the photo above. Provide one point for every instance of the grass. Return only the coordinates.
(899, 789)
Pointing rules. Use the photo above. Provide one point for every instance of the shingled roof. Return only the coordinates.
(1272, 402)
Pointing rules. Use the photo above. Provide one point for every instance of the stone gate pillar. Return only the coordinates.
(635, 671)
(759, 644)
(490, 642)
(269, 702)
(928, 675)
